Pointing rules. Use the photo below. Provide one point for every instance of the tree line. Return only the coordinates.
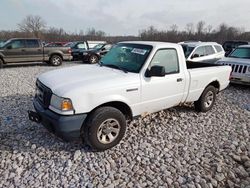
(35, 26)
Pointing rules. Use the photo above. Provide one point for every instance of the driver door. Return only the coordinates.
(15, 51)
(163, 92)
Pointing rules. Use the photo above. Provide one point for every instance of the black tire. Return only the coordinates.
(96, 135)
(206, 100)
(55, 60)
(1, 63)
(93, 59)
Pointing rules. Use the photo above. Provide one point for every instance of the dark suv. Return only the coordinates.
(229, 46)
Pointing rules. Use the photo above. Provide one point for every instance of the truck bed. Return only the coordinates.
(194, 65)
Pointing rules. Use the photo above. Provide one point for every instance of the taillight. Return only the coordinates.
(69, 51)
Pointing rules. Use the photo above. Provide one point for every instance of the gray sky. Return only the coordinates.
(125, 17)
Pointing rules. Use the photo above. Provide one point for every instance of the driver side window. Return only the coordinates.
(81, 46)
(168, 59)
(16, 44)
(199, 52)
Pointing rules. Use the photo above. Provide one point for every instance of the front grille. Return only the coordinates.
(242, 69)
(43, 94)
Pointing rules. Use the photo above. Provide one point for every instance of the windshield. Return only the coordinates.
(129, 57)
(3, 43)
(98, 46)
(241, 53)
(187, 50)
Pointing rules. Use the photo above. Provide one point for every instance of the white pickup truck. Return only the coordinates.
(94, 102)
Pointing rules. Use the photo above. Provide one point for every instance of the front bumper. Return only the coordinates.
(240, 80)
(66, 127)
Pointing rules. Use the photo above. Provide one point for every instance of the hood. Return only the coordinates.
(85, 79)
(232, 60)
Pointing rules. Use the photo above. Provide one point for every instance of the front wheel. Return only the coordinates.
(55, 60)
(93, 59)
(206, 100)
(104, 128)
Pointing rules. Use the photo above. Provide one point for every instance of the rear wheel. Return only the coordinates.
(55, 60)
(206, 100)
(93, 59)
(104, 128)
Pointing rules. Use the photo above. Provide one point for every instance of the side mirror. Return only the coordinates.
(157, 71)
(195, 56)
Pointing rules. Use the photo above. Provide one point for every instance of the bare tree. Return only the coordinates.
(32, 24)
(209, 28)
(200, 27)
(190, 28)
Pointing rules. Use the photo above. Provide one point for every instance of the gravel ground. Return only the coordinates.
(173, 148)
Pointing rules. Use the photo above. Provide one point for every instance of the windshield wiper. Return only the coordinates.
(115, 66)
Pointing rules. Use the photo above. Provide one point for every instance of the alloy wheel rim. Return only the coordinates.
(209, 98)
(108, 131)
(93, 59)
(56, 60)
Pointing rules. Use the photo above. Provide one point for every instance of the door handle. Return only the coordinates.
(179, 79)
(39, 50)
(23, 50)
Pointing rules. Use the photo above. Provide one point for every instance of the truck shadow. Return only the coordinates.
(18, 133)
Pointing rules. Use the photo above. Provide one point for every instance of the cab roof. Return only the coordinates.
(195, 44)
(153, 43)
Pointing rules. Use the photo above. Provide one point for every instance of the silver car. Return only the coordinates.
(202, 52)
(239, 60)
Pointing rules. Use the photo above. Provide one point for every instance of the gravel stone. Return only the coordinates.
(177, 147)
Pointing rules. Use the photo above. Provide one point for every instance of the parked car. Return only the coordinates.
(206, 52)
(79, 47)
(239, 60)
(94, 102)
(55, 44)
(229, 46)
(94, 55)
(31, 50)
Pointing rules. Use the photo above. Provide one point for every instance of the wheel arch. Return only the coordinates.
(123, 107)
(216, 84)
(55, 53)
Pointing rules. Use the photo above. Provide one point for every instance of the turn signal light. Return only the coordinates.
(66, 105)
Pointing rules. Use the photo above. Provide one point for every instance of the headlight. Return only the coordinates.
(61, 104)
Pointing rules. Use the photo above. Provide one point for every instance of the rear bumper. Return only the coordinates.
(66, 127)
